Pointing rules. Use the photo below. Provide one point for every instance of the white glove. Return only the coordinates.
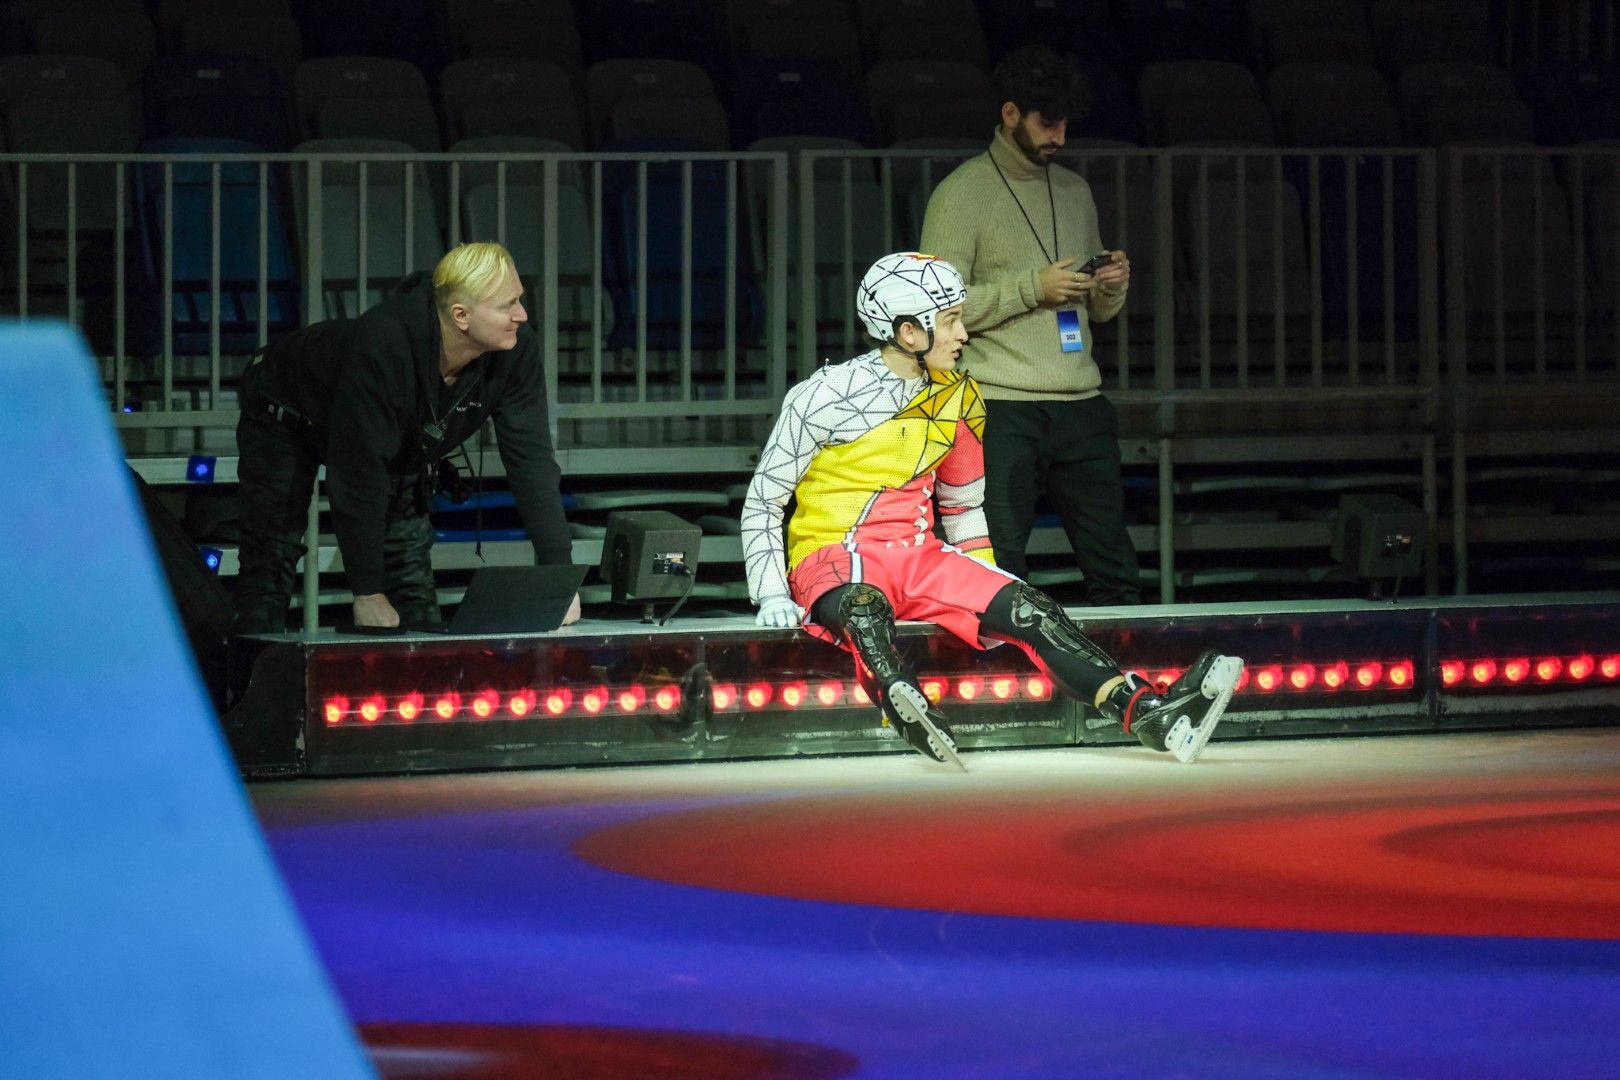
(780, 612)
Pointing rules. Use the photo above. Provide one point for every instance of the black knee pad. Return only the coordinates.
(867, 619)
(1038, 614)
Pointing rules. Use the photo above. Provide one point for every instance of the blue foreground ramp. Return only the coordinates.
(144, 929)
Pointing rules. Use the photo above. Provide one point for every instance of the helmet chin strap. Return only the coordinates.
(922, 363)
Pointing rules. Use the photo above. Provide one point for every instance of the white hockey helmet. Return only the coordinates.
(907, 286)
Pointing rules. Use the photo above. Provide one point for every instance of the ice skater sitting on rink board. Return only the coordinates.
(866, 447)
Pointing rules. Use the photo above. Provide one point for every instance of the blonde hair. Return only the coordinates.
(469, 273)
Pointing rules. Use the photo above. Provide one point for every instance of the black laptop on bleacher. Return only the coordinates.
(517, 599)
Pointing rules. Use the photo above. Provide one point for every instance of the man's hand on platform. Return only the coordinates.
(780, 612)
(373, 609)
(573, 612)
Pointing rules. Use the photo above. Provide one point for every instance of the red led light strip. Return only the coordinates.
(1338, 676)
(1507, 672)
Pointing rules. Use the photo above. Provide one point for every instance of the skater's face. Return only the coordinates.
(949, 337)
(492, 323)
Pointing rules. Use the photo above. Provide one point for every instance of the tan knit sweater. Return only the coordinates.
(973, 223)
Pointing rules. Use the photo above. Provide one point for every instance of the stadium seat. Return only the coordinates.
(232, 97)
(395, 241)
(772, 98)
(372, 97)
(181, 244)
(491, 95)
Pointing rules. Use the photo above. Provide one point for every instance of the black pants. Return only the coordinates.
(1019, 613)
(1069, 452)
(275, 478)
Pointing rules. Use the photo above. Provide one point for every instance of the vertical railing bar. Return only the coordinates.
(599, 210)
(1279, 314)
(1240, 285)
(847, 259)
(263, 334)
(733, 215)
(1205, 277)
(500, 199)
(22, 241)
(1538, 260)
(1389, 267)
(215, 193)
(641, 280)
(686, 280)
(120, 287)
(1314, 216)
(1499, 269)
(776, 384)
(1577, 212)
(168, 285)
(551, 289)
(809, 316)
(362, 232)
(1352, 255)
(73, 242)
(1122, 243)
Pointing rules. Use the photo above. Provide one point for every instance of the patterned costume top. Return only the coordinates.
(865, 452)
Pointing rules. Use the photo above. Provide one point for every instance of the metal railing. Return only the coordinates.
(1323, 280)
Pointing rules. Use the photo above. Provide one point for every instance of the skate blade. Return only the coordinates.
(915, 707)
(1187, 742)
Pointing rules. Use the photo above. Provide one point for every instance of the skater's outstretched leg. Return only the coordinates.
(1180, 721)
(1027, 617)
(864, 618)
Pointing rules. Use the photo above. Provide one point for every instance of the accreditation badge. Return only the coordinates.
(1069, 331)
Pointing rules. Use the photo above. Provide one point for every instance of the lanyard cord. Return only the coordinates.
(1050, 202)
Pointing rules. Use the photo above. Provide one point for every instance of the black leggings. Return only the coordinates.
(1026, 617)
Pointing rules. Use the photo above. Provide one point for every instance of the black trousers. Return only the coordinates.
(276, 471)
(1067, 451)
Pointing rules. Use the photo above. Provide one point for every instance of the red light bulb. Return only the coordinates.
(969, 689)
(372, 708)
(1401, 674)
(1609, 666)
(410, 706)
(1038, 687)
(723, 695)
(1482, 671)
(934, 689)
(1452, 671)
(521, 703)
(447, 705)
(758, 695)
(1336, 676)
(667, 698)
(795, 694)
(1515, 670)
(631, 698)
(558, 700)
(594, 701)
(1549, 668)
(1268, 678)
(334, 709)
(828, 693)
(1581, 666)
(1003, 687)
(1302, 676)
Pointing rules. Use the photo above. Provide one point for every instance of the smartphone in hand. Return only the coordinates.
(1096, 263)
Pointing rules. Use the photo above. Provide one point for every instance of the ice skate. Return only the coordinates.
(918, 722)
(1182, 719)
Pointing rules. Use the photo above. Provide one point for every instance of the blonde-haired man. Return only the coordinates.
(381, 400)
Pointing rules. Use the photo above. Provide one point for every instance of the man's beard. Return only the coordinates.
(1027, 145)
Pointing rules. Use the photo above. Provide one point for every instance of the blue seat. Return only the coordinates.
(663, 251)
(218, 96)
(773, 98)
(190, 240)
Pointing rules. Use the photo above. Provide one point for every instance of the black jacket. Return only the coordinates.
(371, 385)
